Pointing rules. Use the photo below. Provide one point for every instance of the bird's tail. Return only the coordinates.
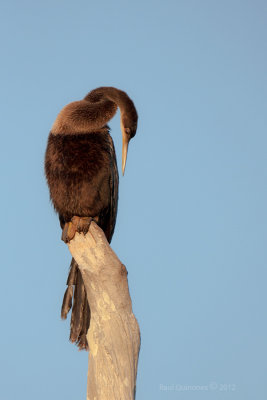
(80, 316)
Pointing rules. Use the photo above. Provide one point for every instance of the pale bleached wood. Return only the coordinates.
(113, 336)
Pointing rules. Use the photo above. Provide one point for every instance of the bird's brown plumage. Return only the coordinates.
(82, 175)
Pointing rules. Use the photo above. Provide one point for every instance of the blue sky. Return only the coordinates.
(192, 218)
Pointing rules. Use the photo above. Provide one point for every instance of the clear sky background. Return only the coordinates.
(192, 218)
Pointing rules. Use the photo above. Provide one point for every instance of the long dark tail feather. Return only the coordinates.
(77, 309)
(67, 300)
(82, 340)
(80, 316)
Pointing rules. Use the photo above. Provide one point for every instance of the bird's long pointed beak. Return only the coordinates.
(125, 142)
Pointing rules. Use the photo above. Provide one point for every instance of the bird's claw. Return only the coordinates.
(68, 232)
(77, 224)
(83, 224)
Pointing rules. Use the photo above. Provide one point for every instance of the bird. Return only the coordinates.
(82, 176)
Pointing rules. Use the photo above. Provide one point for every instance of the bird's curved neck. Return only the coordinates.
(120, 98)
(93, 112)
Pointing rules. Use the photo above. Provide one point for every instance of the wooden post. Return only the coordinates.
(113, 335)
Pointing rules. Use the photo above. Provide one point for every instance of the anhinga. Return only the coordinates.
(82, 175)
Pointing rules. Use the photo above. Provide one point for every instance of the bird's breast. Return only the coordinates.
(78, 172)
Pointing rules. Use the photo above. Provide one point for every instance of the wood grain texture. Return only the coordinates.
(113, 336)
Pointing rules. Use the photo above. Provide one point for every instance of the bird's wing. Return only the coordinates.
(108, 219)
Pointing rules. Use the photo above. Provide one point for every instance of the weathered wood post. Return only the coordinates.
(113, 335)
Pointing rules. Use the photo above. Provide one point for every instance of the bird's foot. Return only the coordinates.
(77, 224)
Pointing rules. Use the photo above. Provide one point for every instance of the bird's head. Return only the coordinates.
(128, 129)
